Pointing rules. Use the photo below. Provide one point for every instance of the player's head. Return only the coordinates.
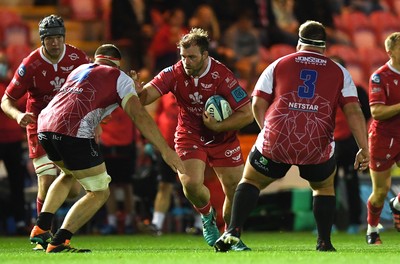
(196, 37)
(312, 34)
(392, 42)
(108, 54)
(194, 51)
(51, 26)
(52, 36)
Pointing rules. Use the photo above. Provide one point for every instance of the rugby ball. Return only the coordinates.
(218, 107)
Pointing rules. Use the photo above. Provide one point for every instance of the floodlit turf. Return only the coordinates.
(268, 247)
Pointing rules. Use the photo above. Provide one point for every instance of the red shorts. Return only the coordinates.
(35, 149)
(227, 154)
(384, 151)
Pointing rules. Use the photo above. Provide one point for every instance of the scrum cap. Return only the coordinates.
(50, 26)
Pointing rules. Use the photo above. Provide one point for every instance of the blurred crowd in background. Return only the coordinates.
(245, 35)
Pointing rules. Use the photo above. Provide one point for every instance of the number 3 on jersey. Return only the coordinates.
(307, 90)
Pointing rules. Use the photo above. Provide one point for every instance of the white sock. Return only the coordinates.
(372, 229)
(158, 219)
(112, 220)
(396, 203)
(197, 222)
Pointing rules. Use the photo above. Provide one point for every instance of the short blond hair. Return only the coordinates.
(196, 37)
(391, 41)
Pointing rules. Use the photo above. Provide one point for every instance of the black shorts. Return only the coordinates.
(76, 153)
(276, 170)
(164, 171)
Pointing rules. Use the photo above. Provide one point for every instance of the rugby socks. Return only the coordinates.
(204, 210)
(158, 219)
(324, 213)
(374, 214)
(39, 205)
(244, 201)
(44, 220)
(61, 236)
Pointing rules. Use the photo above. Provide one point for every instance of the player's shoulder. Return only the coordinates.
(34, 55)
(72, 50)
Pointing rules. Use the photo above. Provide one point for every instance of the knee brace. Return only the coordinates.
(44, 166)
(95, 183)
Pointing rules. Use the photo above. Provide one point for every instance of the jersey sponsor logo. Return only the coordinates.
(215, 75)
(237, 158)
(168, 69)
(230, 152)
(206, 86)
(57, 137)
(310, 60)
(57, 83)
(238, 94)
(376, 79)
(196, 110)
(41, 136)
(73, 56)
(67, 69)
(15, 82)
(74, 90)
(303, 107)
(375, 89)
(21, 70)
(262, 163)
(232, 84)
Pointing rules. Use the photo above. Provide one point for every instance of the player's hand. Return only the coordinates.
(136, 79)
(24, 119)
(174, 161)
(362, 159)
(210, 122)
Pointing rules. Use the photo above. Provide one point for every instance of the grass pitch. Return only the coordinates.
(267, 247)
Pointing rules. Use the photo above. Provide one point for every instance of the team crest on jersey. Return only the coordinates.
(73, 56)
(21, 70)
(376, 79)
(196, 98)
(57, 83)
(67, 69)
(238, 94)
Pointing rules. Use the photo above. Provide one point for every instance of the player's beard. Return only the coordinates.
(53, 54)
(195, 71)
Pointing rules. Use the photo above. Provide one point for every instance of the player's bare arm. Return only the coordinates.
(239, 119)
(358, 127)
(383, 112)
(259, 107)
(146, 125)
(10, 108)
